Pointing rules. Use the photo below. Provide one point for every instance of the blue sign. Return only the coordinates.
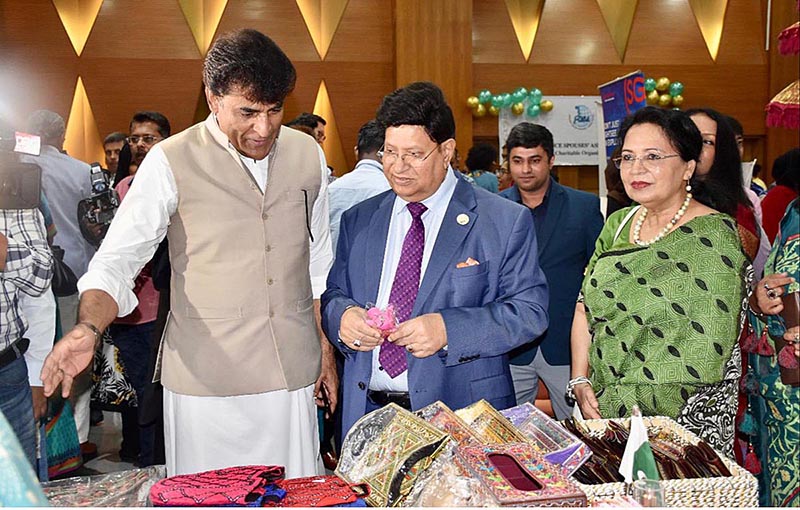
(620, 98)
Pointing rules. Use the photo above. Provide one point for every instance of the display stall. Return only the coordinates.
(476, 456)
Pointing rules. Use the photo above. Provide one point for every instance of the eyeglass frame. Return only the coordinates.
(655, 161)
(142, 139)
(417, 161)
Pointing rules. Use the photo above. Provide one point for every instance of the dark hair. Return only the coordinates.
(481, 156)
(529, 136)
(156, 118)
(123, 164)
(303, 129)
(370, 138)
(724, 179)
(419, 104)
(308, 120)
(116, 136)
(684, 136)
(48, 125)
(786, 169)
(735, 125)
(251, 61)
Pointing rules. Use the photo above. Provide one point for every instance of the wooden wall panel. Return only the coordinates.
(279, 19)
(493, 38)
(365, 34)
(743, 34)
(43, 83)
(141, 30)
(119, 88)
(573, 32)
(433, 41)
(32, 28)
(666, 33)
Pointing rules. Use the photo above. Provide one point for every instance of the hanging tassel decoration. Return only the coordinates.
(750, 341)
(751, 462)
(764, 347)
(787, 359)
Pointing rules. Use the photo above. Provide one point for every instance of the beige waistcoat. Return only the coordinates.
(242, 315)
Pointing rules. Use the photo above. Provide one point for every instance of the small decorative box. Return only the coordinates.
(489, 425)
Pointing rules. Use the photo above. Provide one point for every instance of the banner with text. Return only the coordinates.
(572, 122)
(620, 97)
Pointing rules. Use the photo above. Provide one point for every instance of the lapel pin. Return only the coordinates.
(462, 219)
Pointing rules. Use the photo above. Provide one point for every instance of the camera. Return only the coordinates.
(96, 212)
(20, 183)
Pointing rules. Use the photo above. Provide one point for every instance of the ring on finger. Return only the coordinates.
(357, 342)
(409, 348)
(772, 294)
(766, 286)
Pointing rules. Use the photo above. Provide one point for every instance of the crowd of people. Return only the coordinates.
(238, 278)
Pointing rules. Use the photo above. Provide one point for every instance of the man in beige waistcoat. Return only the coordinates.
(244, 206)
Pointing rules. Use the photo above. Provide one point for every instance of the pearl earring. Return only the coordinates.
(688, 187)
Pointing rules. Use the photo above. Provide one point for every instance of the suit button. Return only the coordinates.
(268, 248)
(271, 314)
(361, 386)
(270, 281)
(265, 216)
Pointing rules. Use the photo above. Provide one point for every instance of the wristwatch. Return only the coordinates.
(581, 379)
(97, 333)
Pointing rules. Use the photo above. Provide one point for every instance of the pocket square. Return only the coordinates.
(467, 263)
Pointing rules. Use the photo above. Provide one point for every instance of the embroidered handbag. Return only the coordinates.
(319, 491)
(233, 486)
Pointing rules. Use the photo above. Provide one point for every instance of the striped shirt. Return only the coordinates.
(28, 269)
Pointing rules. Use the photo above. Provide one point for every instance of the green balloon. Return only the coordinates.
(508, 100)
(650, 84)
(497, 101)
(519, 95)
(535, 96)
(484, 96)
(676, 89)
(533, 110)
(522, 90)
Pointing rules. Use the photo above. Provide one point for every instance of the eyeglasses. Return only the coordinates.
(147, 139)
(649, 161)
(413, 159)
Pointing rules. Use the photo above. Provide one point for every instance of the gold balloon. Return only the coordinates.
(494, 110)
(472, 101)
(479, 111)
(652, 97)
(517, 108)
(546, 105)
(664, 100)
(662, 84)
(677, 100)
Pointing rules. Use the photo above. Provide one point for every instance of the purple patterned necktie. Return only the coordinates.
(405, 288)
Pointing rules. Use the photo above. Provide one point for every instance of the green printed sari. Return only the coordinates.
(665, 321)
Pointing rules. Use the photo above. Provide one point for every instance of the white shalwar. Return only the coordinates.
(275, 428)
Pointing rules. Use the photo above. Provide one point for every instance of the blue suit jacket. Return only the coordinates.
(488, 309)
(566, 243)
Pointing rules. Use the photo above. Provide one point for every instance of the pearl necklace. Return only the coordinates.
(664, 231)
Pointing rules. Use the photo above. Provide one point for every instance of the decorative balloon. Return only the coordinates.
(520, 101)
(663, 92)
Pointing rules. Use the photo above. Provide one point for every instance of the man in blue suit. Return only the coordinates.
(458, 264)
(567, 223)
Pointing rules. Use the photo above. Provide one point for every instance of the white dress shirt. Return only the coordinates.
(398, 228)
(143, 217)
(365, 181)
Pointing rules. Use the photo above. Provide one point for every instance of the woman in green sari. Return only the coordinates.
(663, 292)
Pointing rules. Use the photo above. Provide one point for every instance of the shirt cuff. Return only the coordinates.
(318, 284)
(114, 287)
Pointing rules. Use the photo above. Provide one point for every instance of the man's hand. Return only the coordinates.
(355, 333)
(328, 382)
(70, 356)
(793, 336)
(422, 336)
(39, 403)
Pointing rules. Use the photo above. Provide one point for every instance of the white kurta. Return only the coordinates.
(203, 433)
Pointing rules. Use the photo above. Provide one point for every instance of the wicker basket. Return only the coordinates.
(738, 490)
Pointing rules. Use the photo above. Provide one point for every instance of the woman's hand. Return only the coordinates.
(793, 336)
(768, 293)
(584, 396)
